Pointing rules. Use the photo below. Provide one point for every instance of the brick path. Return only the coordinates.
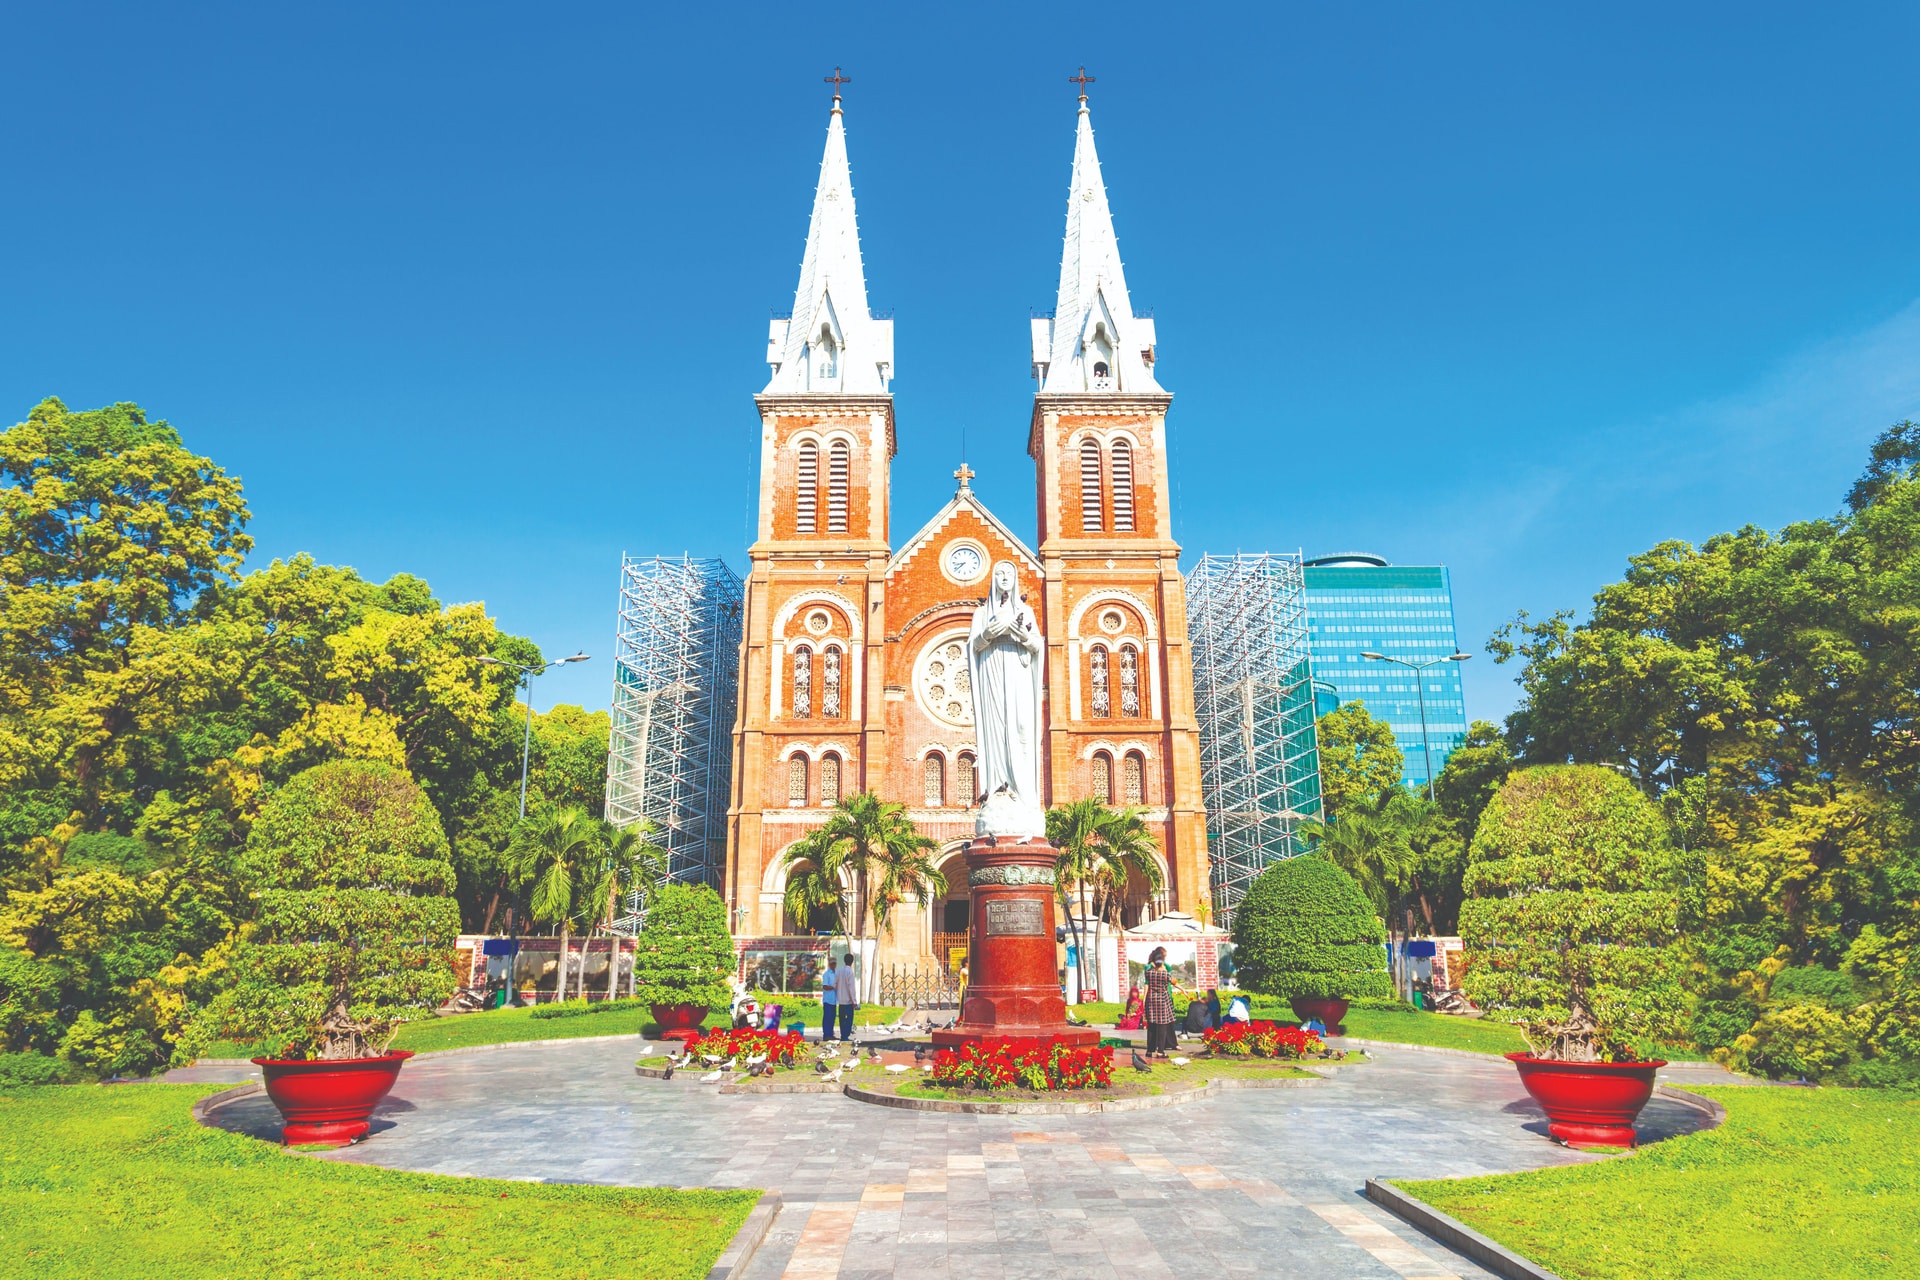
(1253, 1182)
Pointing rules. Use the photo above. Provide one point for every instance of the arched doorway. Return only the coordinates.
(951, 913)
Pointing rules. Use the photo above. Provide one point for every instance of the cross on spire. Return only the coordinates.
(836, 80)
(1083, 80)
(964, 475)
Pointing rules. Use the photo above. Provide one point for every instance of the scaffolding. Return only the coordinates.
(1253, 696)
(675, 685)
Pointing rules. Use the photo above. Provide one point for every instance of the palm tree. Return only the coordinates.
(1373, 844)
(863, 836)
(1100, 851)
(630, 863)
(555, 851)
(1074, 830)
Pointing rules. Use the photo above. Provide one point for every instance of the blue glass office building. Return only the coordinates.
(1360, 602)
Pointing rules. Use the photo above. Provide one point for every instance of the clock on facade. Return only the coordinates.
(965, 562)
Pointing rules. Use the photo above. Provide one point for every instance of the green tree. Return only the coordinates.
(684, 954)
(1101, 854)
(1359, 760)
(1371, 841)
(863, 837)
(1473, 772)
(1573, 917)
(1305, 930)
(354, 930)
(630, 864)
(553, 855)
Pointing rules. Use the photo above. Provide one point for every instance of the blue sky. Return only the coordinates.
(479, 292)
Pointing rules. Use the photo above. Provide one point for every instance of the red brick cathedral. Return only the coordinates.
(853, 670)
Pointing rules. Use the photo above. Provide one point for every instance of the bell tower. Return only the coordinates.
(811, 722)
(1120, 713)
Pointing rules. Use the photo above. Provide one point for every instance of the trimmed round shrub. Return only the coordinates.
(1305, 929)
(1573, 915)
(354, 930)
(684, 954)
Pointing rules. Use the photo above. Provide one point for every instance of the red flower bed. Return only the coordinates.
(1262, 1040)
(1022, 1064)
(780, 1046)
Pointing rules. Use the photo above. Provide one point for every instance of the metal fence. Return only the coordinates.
(912, 986)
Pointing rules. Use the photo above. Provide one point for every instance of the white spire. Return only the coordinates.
(1093, 323)
(831, 344)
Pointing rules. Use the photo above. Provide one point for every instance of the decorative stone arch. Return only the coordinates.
(1149, 647)
(777, 655)
(822, 436)
(773, 884)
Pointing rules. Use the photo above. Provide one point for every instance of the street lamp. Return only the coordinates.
(1420, 686)
(527, 673)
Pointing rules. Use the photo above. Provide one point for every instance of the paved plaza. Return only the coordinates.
(1250, 1182)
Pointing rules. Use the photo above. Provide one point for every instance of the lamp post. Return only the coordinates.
(527, 673)
(1420, 686)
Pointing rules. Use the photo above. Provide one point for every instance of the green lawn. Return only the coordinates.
(1801, 1182)
(1437, 1029)
(100, 1182)
(505, 1026)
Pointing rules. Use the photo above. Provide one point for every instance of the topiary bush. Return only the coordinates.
(1572, 922)
(1305, 930)
(684, 954)
(354, 931)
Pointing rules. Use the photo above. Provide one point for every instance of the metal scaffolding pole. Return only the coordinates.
(675, 686)
(1253, 696)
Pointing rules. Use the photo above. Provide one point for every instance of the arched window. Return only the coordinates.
(1122, 485)
(1090, 512)
(802, 682)
(934, 771)
(1099, 368)
(1129, 681)
(966, 791)
(1103, 777)
(797, 780)
(807, 488)
(1133, 779)
(839, 464)
(1097, 660)
(830, 686)
(830, 779)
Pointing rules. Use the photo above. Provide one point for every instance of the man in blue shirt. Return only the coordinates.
(829, 994)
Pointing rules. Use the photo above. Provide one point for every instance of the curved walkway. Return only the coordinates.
(1255, 1182)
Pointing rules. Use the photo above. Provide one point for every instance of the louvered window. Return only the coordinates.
(802, 683)
(830, 686)
(838, 465)
(807, 488)
(1103, 777)
(1129, 681)
(830, 780)
(1122, 485)
(1101, 704)
(1133, 779)
(797, 780)
(935, 776)
(1090, 515)
(965, 792)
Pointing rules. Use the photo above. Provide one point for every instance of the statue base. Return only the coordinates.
(1013, 985)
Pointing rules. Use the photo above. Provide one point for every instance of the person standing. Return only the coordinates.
(1159, 983)
(846, 996)
(829, 996)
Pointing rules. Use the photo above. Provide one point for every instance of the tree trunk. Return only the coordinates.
(560, 993)
(486, 926)
(613, 947)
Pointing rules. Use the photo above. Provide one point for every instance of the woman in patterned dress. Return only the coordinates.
(1159, 981)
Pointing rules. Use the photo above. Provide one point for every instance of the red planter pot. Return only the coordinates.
(679, 1021)
(1329, 1009)
(1588, 1104)
(329, 1101)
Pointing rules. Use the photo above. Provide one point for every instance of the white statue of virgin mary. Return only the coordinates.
(1006, 659)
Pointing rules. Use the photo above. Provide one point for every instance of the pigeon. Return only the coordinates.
(1140, 1063)
(898, 1066)
(919, 1055)
(710, 1057)
(732, 1062)
(833, 1077)
(712, 1077)
(645, 1049)
(668, 1073)
(820, 1066)
(1181, 1062)
(756, 1060)
(875, 1056)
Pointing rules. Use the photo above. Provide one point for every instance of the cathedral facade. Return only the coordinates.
(853, 672)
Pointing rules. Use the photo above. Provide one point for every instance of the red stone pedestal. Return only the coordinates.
(1013, 988)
